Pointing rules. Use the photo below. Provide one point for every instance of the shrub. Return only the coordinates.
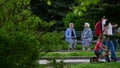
(20, 44)
(18, 49)
(70, 17)
(78, 21)
(54, 41)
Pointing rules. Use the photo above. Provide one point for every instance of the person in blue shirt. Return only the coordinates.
(70, 35)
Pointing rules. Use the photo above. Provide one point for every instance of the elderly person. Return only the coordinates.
(86, 36)
(71, 36)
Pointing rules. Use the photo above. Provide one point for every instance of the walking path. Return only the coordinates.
(73, 61)
(71, 57)
(69, 61)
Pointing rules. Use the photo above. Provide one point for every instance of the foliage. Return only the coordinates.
(20, 44)
(92, 10)
(80, 15)
(108, 8)
(20, 41)
(56, 64)
(18, 49)
(53, 40)
(43, 25)
(82, 6)
(55, 11)
(78, 21)
(112, 12)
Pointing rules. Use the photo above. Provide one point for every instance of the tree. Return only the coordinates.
(81, 13)
(20, 44)
(111, 10)
(55, 11)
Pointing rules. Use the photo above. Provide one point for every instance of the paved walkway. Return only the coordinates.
(68, 61)
(71, 57)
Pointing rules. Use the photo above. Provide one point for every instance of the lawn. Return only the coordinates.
(95, 65)
(85, 65)
(69, 54)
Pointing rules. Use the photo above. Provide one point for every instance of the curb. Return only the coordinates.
(72, 57)
(76, 50)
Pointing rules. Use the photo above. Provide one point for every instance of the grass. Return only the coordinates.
(95, 65)
(86, 65)
(69, 54)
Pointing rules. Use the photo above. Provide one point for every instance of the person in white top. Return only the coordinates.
(108, 31)
(103, 23)
(108, 28)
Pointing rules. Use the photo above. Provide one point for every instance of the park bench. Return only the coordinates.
(78, 36)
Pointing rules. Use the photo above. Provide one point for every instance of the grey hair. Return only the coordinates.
(71, 24)
(87, 24)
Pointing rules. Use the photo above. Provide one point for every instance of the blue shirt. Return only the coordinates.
(68, 34)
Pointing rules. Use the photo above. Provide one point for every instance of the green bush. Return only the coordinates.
(70, 17)
(18, 49)
(56, 64)
(54, 41)
(78, 21)
(19, 40)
